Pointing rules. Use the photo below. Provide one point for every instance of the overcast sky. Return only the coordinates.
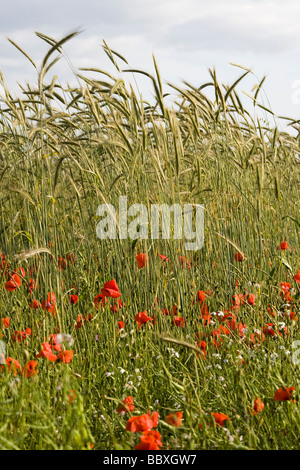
(187, 38)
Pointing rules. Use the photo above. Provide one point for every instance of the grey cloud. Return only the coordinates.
(211, 33)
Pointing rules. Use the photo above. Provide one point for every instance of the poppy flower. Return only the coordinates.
(251, 299)
(142, 423)
(71, 257)
(285, 286)
(216, 334)
(28, 369)
(179, 321)
(47, 353)
(141, 318)
(185, 263)
(55, 344)
(220, 418)
(297, 277)
(121, 325)
(237, 300)
(3, 262)
(74, 299)
(242, 329)
(163, 257)
(100, 301)
(21, 271)
(202, 346)
(71, 395)
(142, 259)
(31, 285)
(174, 419)
(81, 320)
(129, 405)
(239, 257)
(283, 246)
(50, 304)
(116, 305)
(230, 320)
(255, 339)
(35, 304)
(258, 406)
(200, 296)
(13, 365)
(13, 283)
(269, 330)
(20, 336)
(61, 262)
(111, 289)
(283, 394)
(5, 322)
(66, 356)
(150, 440)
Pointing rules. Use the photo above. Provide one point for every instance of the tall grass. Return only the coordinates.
(66, 150)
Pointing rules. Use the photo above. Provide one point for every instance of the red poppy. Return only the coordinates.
(222, 330)
(185, 263)
(116, 305)
(81, 320)
(285, 286)
(54, 343)
(142, 259)
(269, 330)
(201, 296)
(297, 277)
(202, 346)
(220, 418)
(5, 322)
(150, 440)
(121, 325)
(100, 301)
(174, 419)
(71, 395)
(47, 353)
(255, 339)
(74, 299)
(13, 283)
(283, 246)
(50, 304)
(20, 336)
(34, 304)
(163, 257)
(71, 257)
(258, 406)
(142, 423)
(13, 365)
(242, 328)
(141, 318)
(283, 394)
(66, 356)
(28, 369)
(3, 263)
(237, 300)
(31, 285)
(230, 320)
(179, 321)
(239, 257)
(111, 289)
(61, 262)
(251, 299)
(21, 271)
(129, 405)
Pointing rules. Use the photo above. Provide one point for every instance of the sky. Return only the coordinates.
(187, 37)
